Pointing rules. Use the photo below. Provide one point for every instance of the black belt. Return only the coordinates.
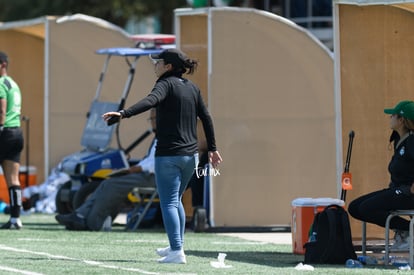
(11, 128)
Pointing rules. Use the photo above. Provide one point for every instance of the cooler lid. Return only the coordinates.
(317, 202)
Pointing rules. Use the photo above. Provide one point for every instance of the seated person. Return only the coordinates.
(375, 207)
(108, 197)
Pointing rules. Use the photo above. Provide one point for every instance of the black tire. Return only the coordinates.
(64, 197)
(199, 219)
(83, 193)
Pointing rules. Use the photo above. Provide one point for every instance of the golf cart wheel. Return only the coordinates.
(84, 192)
(64, 197)
(199, 219)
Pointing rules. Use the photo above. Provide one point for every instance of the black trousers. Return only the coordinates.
(376, 206)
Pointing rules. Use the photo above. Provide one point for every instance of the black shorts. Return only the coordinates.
(11, 144)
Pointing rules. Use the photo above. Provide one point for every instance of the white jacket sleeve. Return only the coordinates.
(147, 163)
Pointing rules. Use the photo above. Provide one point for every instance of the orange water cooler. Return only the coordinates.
(27, 178)
(303, 212)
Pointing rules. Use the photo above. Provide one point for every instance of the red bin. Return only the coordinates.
(303, 213)
(24, 181)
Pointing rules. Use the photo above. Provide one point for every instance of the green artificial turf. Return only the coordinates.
(44, 247)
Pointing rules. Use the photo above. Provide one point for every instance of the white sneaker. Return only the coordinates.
(174, 257)
(401, 241)
(163, 251)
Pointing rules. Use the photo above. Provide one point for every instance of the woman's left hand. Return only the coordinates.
(214, 158)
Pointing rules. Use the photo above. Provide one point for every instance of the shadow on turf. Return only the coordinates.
(42, 226)
(55, 227)
(273, 259)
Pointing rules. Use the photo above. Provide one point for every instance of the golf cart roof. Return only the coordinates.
(96, 135)
(128, 51)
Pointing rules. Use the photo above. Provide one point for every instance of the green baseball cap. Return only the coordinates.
(405, 109)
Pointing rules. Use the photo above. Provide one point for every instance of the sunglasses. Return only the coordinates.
(156, 61)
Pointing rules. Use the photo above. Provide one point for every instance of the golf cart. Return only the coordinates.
(89, 166)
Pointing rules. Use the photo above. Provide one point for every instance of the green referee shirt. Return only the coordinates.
(10, 91)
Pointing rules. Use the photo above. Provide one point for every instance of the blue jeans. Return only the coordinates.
(172, 174)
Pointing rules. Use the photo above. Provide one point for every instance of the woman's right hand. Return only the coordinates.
(108, 115)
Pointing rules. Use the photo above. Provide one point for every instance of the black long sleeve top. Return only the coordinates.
(401, 166)
(178, 103)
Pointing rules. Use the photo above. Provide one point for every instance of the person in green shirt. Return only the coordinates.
(11, 141)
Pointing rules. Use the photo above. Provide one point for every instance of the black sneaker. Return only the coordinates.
(71, 221)
(12, 225)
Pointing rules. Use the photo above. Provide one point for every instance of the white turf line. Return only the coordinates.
(94, 263)
(5, 268)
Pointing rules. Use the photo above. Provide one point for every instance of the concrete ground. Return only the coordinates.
(265, 237)
(276, 238)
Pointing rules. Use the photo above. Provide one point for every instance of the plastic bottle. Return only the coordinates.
(350, 263)
(404, 267)
(369, 260)
(400, 262)
(3, 206)
(391, 259)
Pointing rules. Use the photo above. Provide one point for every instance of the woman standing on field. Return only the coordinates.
(178, 103)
